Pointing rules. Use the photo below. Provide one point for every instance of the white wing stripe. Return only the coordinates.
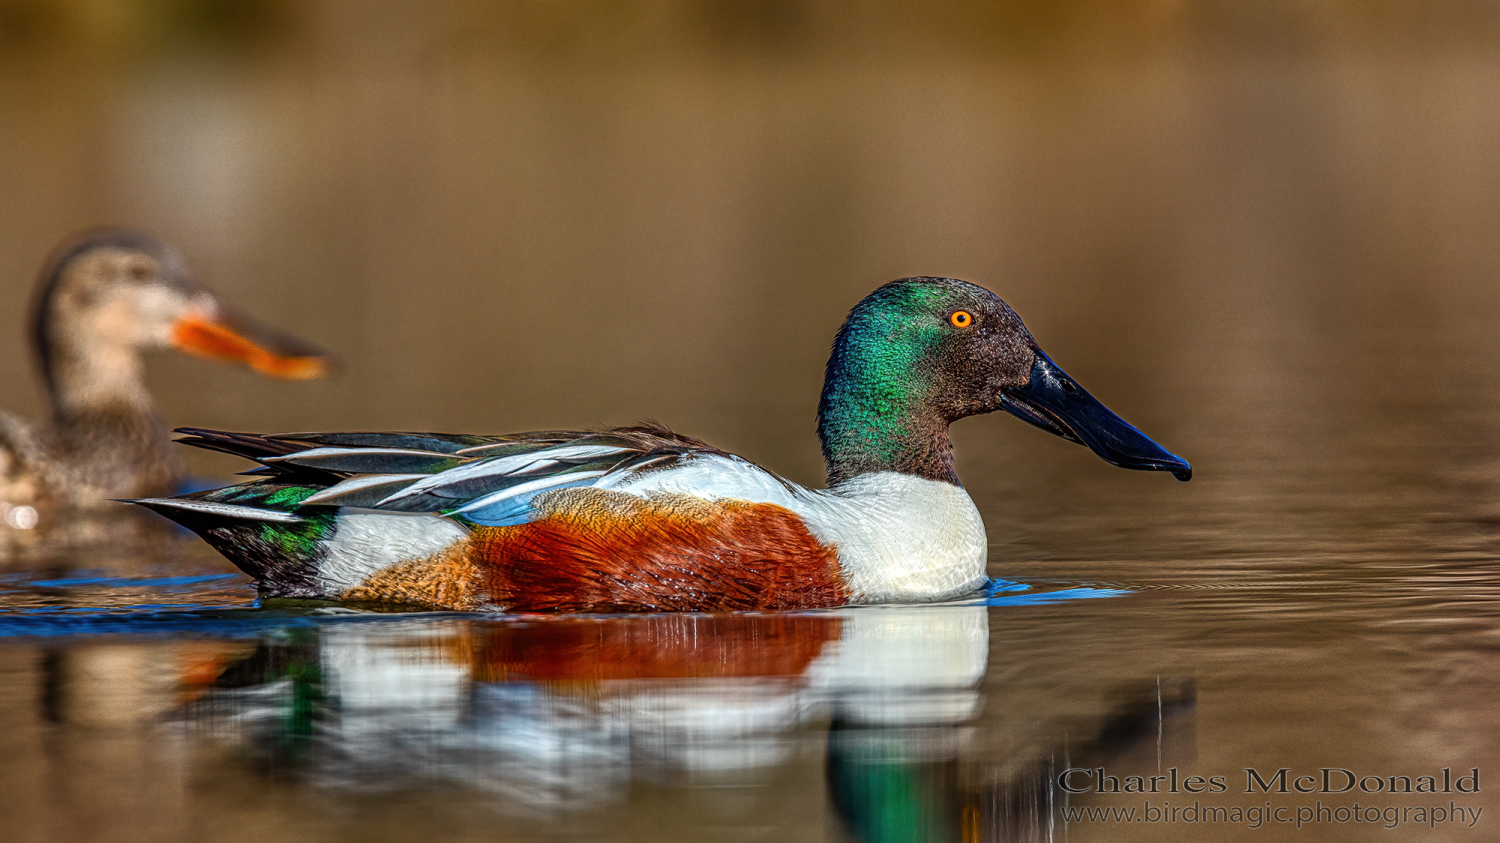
(361, 481)
(503, 467)
(316, 453)
(227, 510)
(528, 488)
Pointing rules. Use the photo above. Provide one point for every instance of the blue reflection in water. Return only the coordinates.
(127, 582)
(170, 620)
(1012, 593)
(151, 619)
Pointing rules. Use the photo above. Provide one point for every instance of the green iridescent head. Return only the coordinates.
(920, 353)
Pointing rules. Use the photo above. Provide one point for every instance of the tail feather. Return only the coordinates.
(269, 539)
(261, 449)
(250, 445)
(191, 509)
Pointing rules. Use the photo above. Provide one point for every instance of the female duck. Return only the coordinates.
(104, 298)
(642, 519)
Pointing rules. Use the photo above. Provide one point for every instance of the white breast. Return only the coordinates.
(902, 538)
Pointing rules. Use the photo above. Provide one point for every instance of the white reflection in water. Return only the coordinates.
(900, 665)
(568, 711)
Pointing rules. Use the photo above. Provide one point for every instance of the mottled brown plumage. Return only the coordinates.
(103, 299)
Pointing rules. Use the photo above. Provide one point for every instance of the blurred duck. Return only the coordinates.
(643, 519)
(104, 298)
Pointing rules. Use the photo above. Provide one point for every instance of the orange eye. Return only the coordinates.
(961, 319)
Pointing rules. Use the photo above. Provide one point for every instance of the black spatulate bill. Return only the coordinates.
(1057, 404)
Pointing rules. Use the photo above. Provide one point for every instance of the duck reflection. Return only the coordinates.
(950, 784)
(572, 708)
(558, 714)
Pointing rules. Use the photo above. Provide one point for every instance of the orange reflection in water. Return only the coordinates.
(655, 647)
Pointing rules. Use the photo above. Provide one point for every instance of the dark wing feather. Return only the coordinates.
(249, 445)
(442, 443)
(369, 460)
(435, 472)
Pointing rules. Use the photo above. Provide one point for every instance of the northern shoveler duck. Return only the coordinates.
(104, 298)
(644, 519)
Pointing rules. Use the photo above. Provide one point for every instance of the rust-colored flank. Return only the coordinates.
(603, 551)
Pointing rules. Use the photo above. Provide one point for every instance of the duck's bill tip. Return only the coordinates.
(264, 350)
(1178, 468)
(1138, 452)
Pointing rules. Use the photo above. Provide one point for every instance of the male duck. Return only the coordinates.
(105, 297)
(643, 519)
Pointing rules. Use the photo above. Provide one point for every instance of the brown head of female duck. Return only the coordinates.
(104, 298)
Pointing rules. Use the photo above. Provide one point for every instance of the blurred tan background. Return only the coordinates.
(1266, 231)
(532, 214)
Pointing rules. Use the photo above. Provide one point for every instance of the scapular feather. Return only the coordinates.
(483, 476)
(370, 460)
(489, 480)
(511, 506)
(363, 491)
(443, 443)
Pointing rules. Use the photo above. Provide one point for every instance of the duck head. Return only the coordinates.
(107, 296)
(920, 353)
